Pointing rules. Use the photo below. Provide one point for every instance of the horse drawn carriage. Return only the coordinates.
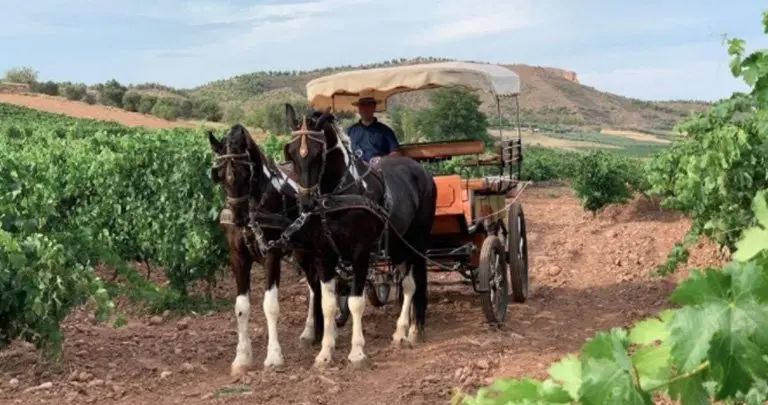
(335, 209)
(476, 232)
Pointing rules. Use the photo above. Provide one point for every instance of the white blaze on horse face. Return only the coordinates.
(356, 308)
(243, 357)
(409, 288)
(328, 299)
(272, 312)
(308, 335)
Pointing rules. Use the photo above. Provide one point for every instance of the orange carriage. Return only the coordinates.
(479, 229)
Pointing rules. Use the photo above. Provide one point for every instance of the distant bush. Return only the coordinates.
(186, 108)
(544, 164)
(602, 178)
(50, 88)
(131, 100)
(111, 93)
(147, 103)
(233, 114)
(271, 117)
(207, 109)
(166, 108)
(405, 124)
(21, 75)
(90, 97)
(73, 91)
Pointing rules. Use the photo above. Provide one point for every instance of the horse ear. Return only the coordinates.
(290, 117)
(216, 145)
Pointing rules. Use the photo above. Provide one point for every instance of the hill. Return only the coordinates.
(549, 97)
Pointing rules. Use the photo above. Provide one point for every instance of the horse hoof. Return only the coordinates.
(362, 363)
(415, 337)
(306, 343)
(238, 370)
(400, 342)
(322, 362)
(273, 363)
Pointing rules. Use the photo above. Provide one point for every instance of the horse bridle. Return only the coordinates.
(244, 159)
(305, 135)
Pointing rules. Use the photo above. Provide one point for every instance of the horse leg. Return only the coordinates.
(403, 321)
(241, 262)
(419, 273)
(272, 310)
(328, 301)
(356, 304)
(307, 336)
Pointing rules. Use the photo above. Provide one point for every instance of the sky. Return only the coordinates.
(653, 50)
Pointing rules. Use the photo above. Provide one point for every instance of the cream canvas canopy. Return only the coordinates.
(340, 90)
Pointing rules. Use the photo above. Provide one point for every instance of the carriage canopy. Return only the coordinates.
(340, 90)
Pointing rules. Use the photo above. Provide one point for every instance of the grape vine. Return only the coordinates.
(77, 193)
(714, 346)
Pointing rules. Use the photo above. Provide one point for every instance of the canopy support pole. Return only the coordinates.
(519, 140)
(501, 132)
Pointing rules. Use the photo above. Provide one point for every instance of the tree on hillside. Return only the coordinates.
(131, 100)
(271, 117)
(404, 123)
(206, 109)
(455, 114)
(111, 93)
(23, 74)
(73, 91)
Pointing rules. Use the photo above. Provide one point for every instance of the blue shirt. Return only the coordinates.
(372, 140)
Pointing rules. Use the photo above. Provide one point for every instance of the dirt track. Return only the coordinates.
(80, 109)
(588, 274)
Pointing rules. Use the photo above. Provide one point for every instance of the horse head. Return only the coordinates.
(238, 168)
(317, 154)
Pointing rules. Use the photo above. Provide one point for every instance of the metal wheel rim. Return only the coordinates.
(495, 284)
(521, 252)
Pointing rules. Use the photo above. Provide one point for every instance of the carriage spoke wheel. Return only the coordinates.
(517, 247)
(492, 280)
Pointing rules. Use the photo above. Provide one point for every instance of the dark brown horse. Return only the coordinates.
(256, 188)
(328, 175)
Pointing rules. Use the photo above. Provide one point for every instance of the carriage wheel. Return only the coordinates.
(517, 246)
(492, 279)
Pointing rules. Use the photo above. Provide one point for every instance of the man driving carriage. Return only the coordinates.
(371, 139)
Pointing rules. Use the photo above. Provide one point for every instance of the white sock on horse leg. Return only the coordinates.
(328, 299)
(309, 326)
(356, 309)
(243, 356)
(272, 313)
(401, 328)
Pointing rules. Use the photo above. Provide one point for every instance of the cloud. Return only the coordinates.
(458, 21)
